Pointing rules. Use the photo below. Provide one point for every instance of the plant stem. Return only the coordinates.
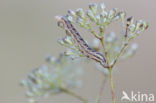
(110, 70)
(119, 54)
(122, 48)
(74, 95)
(104, 49)
(103, 44)
(112, 85)
(93, 32)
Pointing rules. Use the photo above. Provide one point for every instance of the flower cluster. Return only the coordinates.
(61, 74)
(102, 20)
(113, 47)
(72, 49)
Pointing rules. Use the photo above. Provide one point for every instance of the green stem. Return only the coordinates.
(105, 52)
(93, 32)
(119, 54)
(112, 85)
(74, 95)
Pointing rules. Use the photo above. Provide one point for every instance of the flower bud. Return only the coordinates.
(122, 15)
(129, 21)
(98, 19)
(80, 22)
(51, 59)
(90, 15)
(72, 13)
(70, 18)
(102, 5)
(111, 13)
(93, 8)
(141, 25)
(80, 13)
(68, 40)
(60, 41)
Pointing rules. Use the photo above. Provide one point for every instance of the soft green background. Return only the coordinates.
(28, 33)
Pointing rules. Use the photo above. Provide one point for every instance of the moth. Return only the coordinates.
(80, 42)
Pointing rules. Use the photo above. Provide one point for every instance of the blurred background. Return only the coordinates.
(28, 33)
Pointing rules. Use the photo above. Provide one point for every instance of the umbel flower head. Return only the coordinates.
(106, 49)
(61, 74)
(96, 20)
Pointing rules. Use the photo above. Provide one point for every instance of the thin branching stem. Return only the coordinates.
(103, 45)
(125, 44)
(119, 54)
(110, 70)
(93, 32)
(104, 49)
(74, 95)
(112, 85)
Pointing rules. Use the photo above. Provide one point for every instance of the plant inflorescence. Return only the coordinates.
(104, 46)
